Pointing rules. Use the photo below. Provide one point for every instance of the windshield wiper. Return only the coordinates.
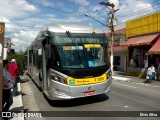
(68, 34)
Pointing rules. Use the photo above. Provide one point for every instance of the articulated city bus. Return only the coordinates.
(70, 61)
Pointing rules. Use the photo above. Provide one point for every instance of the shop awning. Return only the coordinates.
(118, 48)
(140, 40)
(155, 48)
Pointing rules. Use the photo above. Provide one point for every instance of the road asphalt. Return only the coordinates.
(128, 94)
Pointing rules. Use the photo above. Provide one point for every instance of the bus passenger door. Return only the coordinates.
(45, 58)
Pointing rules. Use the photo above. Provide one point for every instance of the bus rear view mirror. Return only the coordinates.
(48, 51)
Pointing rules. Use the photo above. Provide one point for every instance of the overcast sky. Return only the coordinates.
(25, 18)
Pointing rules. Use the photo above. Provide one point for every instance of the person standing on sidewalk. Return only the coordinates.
(13, 69)
(8, 83)
(151, 73)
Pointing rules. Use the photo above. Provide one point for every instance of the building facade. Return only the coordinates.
(143, 42)
(120, 52)
(7, 47)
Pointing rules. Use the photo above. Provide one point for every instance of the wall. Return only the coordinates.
(144, 25)
(7, 47)
(137, 72)
(122, 55)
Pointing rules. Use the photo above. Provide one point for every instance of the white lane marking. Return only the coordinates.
(125, 85)
(120, 78)
(126, 106)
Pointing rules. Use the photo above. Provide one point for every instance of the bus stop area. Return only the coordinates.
(18, 103)
(137, 80)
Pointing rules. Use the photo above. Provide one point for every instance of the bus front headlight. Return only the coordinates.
(58, 79)
(109, 73)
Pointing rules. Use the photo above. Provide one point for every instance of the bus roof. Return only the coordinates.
(62, 27)
(73, 28)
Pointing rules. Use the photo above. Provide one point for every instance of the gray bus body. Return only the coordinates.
(70, 61)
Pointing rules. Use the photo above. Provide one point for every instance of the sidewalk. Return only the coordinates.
(136, 80)
(17, 103)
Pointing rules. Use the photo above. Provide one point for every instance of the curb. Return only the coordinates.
(18, 104)
(20, 101)
(131, 81)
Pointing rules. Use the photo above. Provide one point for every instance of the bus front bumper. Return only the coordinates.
(61, 91)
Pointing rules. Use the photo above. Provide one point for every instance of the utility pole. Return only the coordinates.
(112, 11)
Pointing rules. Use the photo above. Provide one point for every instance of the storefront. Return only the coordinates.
(143, 44)
(141, 55)
(155, 53)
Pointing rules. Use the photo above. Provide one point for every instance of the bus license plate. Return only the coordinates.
(89, 93)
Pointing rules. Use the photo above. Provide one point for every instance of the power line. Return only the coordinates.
(68, 12)
(134, 13)
(101, 24)
(141, 7)
(61, 11)
(137, 16)
(142, 15)
(138, 12)
(156, 8)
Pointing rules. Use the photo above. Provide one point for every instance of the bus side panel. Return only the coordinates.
(30, 62)
(35, 76)
(34, 65)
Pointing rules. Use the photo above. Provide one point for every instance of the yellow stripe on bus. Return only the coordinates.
(85, 81)
(92, 45)
(67, 47)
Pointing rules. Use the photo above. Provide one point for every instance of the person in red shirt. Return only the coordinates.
(13, 69)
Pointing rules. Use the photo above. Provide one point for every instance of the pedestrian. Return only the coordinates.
(158, 71)
(8, 83)
(13, 69)
(151, 73)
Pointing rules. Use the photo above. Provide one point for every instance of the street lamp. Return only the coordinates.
(87, 15)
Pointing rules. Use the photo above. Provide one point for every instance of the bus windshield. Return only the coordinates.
(78, 51)
(80, 56)
(95, 55)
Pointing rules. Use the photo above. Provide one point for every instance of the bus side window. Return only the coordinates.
(48, 51)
